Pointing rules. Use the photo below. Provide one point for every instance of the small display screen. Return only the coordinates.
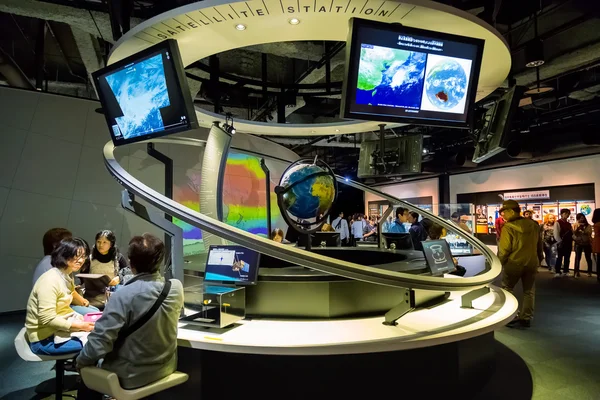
(144, 96)
(402, 74)
(438, 256)
(231, 264)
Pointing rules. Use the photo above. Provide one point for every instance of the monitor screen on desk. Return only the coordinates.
(438, 256)
(331, 239)
(231, 264)
(402, 241)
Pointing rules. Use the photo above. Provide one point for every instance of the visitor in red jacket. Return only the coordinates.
(500, 221)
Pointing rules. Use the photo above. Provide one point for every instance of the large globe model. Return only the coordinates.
(306, 193)
(446, 84)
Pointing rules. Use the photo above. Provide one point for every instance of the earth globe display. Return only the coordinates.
(446, 84)
(306, 193)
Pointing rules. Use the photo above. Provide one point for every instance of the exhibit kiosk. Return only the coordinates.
(331, 320)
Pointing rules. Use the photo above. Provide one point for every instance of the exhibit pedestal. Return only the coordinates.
(454, 370)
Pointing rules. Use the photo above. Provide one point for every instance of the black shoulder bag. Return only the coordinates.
(125, 332)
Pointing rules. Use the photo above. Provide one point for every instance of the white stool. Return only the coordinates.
(24, 351)
(106, 382)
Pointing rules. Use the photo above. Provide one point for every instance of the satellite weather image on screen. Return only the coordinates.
(446, 83)
(390, 77)
(141, 91)
(233, 264)
(408, 75)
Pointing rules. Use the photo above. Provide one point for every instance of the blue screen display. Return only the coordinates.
(141, 91)
(145, 95)
(234, 264)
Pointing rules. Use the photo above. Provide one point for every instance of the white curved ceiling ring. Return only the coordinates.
(209, 27)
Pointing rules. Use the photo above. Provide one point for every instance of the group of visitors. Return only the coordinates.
(559, 238)
(119, 340)
(524, 245)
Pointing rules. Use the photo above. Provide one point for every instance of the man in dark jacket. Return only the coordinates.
(520, 252)
(563, 234)
(417, 232)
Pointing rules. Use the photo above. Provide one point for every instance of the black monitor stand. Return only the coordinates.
(308, 242)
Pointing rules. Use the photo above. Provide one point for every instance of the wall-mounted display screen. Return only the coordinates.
(408, 75)
(146, 95)
(231, 264)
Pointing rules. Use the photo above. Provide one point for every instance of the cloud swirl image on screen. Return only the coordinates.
(141, 91)
(446, 84)
(390, 77)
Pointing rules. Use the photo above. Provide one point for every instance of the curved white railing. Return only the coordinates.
(296, 255)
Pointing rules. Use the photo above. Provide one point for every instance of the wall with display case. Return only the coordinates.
(552, 174)
(541, 201)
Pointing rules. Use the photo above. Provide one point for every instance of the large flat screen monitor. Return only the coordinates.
(145, 95)
(231, 265)
(406, 75)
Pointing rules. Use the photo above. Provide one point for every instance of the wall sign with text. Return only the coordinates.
(532, 195)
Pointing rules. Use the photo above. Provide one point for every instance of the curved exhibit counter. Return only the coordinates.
(444, 323)
(445, 350)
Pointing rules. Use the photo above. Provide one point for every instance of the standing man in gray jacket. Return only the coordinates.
(150, 352)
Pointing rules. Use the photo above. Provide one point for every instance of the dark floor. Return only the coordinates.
(561, 349)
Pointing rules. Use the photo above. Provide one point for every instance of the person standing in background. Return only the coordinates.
(341, 226)
(417, 232)
(455, 217)
(500, 221)
(582, 236)
(563, 233)
(401, 218)
(357, 228)
(387, 225)
(548, 240)
(520, 252)
(596, 241)
(50, 241)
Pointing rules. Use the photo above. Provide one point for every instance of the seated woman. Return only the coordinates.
(106, 260)
(48, 307)
(146, 354)
(277, 235)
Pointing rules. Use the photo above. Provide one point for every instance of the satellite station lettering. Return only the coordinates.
(239, 11)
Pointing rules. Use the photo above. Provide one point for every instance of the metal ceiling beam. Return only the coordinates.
(12, 72)
(573, 60)
(93, 22)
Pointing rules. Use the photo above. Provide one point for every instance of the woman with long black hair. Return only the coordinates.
(582, 235)
(106, 259)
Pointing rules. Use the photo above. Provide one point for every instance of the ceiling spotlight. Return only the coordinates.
(313, 131)
(228, 125)
(534, 63)
(240, 27)
(425, 151)
(337, 130)
(347, 180)
(294, 21)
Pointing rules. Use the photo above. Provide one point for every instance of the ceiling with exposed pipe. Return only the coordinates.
(55, 45)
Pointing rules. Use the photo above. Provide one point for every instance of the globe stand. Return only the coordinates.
(308, 242)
